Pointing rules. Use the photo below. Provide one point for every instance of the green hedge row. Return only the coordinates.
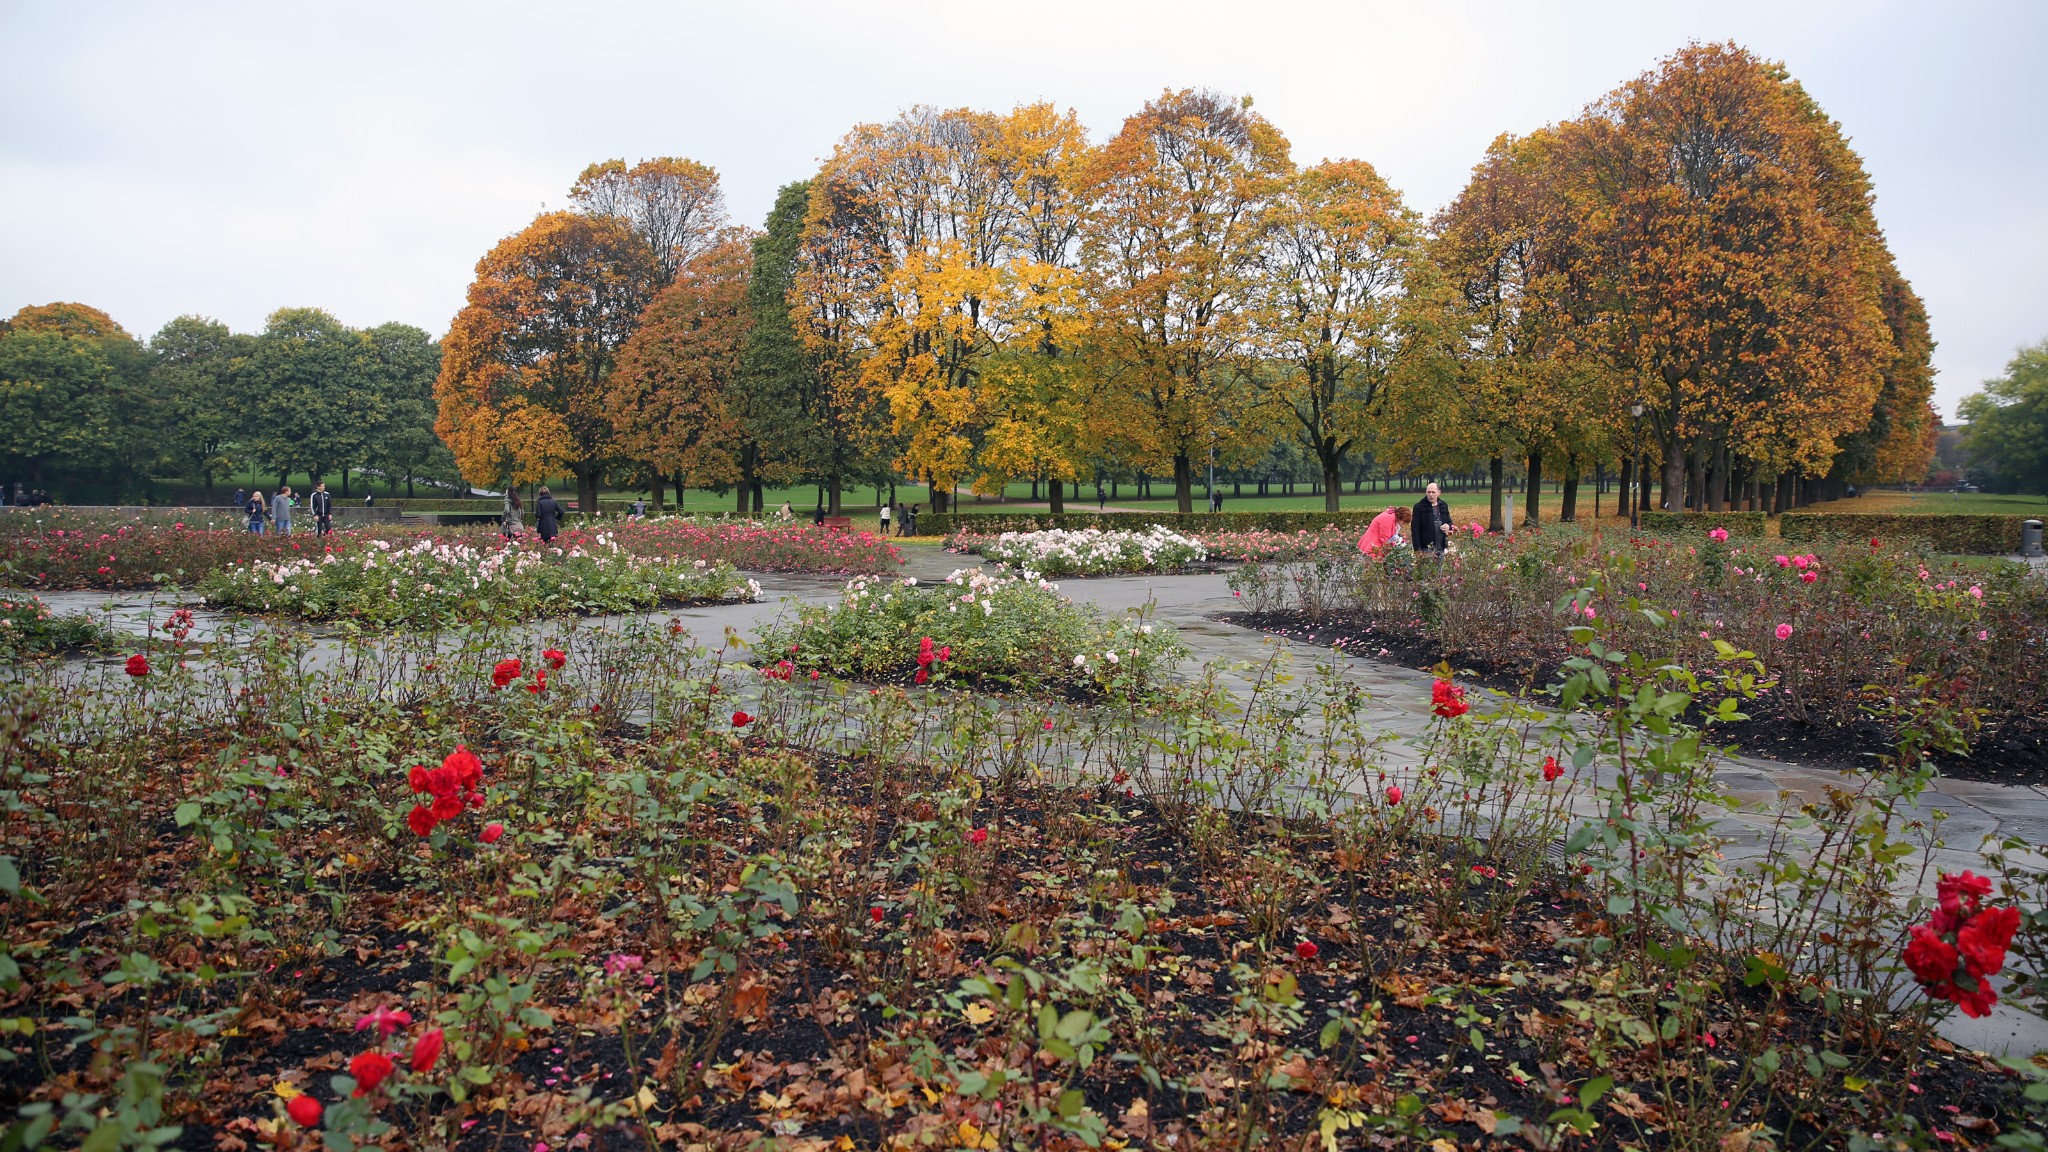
(1962, 534)
(945, 524)
(1737, 523)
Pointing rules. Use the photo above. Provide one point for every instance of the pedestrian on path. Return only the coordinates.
(257, 510)
(1431, 522)
(885, 518)
(547, 515)
(241, 500)
(509, 523)
(1385, 531)
(322, 506)
(281, 512)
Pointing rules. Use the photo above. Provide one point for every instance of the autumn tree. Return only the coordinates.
(675, 401)
(672, 203)
(195, 371)
(1172, 251)
(1339, 246)
(837, 273)
(526, 364)
(1734, 266)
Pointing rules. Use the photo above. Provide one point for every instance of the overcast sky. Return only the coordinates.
(226, 160)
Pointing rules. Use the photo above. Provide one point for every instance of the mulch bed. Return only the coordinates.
(2017, 753)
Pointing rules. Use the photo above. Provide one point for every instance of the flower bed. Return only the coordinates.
(1274, 544)
(756, 545)
(1846, 631)
(1084, 551)
(999, 631)
(434, 582)
(28, 627)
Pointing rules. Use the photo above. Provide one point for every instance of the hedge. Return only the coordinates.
(946, 523)
(1737, 523)
(1957, 533)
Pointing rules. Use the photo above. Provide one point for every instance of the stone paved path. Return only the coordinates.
(1399, 704)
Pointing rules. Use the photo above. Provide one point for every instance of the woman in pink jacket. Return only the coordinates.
(1382, 531)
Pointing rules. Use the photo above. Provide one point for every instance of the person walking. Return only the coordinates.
(547, 515)
(1384, 531)
(321, 504)
(885, 518)
(281, 512)
(1430, 523)
(241, 500)
(509, 522)
(257, 510)
(910, 520)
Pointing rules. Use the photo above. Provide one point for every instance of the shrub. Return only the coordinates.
(1959, 534)
(1001, 631)
(1737, 523)
(993, 523)
(1085, 551)
(435, 582)
(28, 627)
(760, 545)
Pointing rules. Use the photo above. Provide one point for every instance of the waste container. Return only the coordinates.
(2030, 538)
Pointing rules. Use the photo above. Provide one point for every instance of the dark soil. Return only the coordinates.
(2016, 753)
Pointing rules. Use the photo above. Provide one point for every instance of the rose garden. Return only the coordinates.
(671, 835)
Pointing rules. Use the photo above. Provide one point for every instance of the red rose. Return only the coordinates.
(427, 1050)
(540, 682)
(741, 719)
(443, 781)
(1448, 700)
(416, 777)
(504, 673)
(304, 1111)
(137, 666)
(492, 832)
(1393, 793)
(1985, 938)
(555, 657)
(370, 1070)
(447, 807)
(469, 771)
(876, 914)
(978, 836)
(1306, 950)
(420, 820)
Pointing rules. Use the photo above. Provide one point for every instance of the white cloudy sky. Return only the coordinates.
(159, 159)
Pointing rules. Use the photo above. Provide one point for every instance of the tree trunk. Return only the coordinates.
(1183, 484)
(1625, 491)
(1056, 496)
(344, 483)
(408, 485)
(1333, 485)
(1717, 491)
(1495, 466)
(1534, 487)
(1568, 513)
(832, 494)
(586, 490)
(1674, 474)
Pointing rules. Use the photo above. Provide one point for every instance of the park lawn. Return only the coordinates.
(1938, 504)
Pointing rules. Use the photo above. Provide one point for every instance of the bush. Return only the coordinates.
(1002, 632)
(28, 627)
(1737, 523)
(435, 582)
(992, 523)
(1959, 534)
(1085, 551)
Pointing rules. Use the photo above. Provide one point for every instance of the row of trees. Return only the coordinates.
(1690, 272)
(84, 404)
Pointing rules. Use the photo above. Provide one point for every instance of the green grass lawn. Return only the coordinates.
(1939, 504)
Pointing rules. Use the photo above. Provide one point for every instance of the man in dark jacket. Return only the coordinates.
(1431, 526)
(322, 506)
(547, 515)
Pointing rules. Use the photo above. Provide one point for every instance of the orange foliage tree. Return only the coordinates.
(675, 399)
(525, 368)
(1172, 249)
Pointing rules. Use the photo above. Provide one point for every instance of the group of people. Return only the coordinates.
(274, 515)
(21, 499)
(547, 515)
(1427, 526)
(906, 524)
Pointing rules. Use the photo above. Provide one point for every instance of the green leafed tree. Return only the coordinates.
(194, 364)
(2008, 434)
(312, 395)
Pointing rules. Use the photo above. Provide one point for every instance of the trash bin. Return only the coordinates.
(2030, 538)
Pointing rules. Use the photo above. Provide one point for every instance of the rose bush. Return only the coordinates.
(1085, 551)
(434, 582)
(995, 630)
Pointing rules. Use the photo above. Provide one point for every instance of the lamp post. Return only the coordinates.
(1635, 505)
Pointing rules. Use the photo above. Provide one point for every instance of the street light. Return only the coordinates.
(1635, 504)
